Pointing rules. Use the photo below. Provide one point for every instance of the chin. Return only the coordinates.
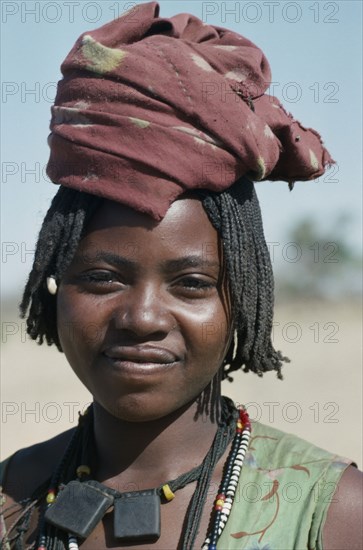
(139, 407)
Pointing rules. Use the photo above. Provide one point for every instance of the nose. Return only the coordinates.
(143, 311)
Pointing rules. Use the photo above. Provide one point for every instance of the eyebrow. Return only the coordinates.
(185, 262)
(168, 266)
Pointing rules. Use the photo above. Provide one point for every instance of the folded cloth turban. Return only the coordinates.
(150, 108)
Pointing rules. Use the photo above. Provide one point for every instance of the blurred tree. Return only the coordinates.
(319, 263)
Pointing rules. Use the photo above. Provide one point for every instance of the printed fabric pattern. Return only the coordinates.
(283, 495)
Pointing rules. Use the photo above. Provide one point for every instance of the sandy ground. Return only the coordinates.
(319, 400)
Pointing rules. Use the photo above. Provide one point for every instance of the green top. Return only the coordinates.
(283, 494)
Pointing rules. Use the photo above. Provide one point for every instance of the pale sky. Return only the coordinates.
(314, 49)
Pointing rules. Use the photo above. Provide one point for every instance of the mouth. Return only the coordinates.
(140, 359)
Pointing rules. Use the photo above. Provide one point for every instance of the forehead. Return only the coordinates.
(185, 229)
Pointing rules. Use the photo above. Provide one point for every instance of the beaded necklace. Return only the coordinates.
(227, 490)
(223, 502)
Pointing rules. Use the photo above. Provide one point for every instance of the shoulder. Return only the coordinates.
(332, 482)
(30, 467)
(26, 471)
(293, 457)
(287, 449)
(344, 521)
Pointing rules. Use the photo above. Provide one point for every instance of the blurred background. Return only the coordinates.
(313, 232)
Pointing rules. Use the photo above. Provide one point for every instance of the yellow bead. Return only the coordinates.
(239, 425)
(50, 498)
(220, 502)
(83, 470)
(168, 493)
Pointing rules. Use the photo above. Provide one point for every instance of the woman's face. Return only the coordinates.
(143, 310)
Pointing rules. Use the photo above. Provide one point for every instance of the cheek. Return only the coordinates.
(80, 324)
(207, 340)
(208, 335)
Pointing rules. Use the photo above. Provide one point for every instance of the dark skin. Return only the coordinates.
(145, 326)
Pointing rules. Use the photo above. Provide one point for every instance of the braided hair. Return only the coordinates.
(235, 214)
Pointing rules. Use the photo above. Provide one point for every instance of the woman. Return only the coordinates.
(152, 275)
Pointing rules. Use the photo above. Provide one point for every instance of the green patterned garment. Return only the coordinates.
(283, 495)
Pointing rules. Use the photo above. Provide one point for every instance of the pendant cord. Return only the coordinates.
(215, 452)
(78, 451)
(224, 436)
(51, 537)
(202, 473)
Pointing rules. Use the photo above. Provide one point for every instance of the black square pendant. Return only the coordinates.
(137, 516)
(79, 507)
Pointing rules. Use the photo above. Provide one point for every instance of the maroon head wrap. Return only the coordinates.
(151, 107)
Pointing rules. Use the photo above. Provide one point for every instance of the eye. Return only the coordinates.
(195, 285)
(99, 280)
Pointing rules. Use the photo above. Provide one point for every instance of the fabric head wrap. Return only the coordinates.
(151, 107)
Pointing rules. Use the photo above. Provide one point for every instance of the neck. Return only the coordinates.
(152, 452)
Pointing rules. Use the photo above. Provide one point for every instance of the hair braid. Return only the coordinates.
(57, 242)
(236, 215)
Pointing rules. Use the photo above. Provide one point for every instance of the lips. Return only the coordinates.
(141, 354)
